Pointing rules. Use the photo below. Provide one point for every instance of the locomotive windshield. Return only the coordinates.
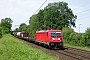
(55, 33)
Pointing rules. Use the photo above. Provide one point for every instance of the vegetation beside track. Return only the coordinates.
(76, 39)
(82, 48)
(14, 49)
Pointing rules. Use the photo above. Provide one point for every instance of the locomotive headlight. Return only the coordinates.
(58, 38)
(53, 39)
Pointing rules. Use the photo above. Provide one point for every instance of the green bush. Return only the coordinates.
(71, 37)
(68, 34)
(86, 37)
(76, 39)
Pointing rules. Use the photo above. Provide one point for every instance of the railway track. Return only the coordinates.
(79, 50)
(66, 54)
(76, 54)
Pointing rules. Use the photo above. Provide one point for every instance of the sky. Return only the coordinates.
(21, 10)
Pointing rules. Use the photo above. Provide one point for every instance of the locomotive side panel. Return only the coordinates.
(41, 36)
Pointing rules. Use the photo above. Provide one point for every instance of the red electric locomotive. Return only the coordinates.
(50, 38)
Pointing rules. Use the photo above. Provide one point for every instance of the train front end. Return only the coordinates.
(56, 39)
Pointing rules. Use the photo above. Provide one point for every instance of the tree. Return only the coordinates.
(68, 33)
(57, 15)
(17, 29)
(6, 24)
(34, 25)
(23, 27)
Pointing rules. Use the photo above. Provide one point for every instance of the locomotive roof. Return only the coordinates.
(47, 30)
(42, 31)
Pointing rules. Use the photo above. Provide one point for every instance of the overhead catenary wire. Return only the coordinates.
(39, 8)
(83, 18)
(82, 11)
(81, 6)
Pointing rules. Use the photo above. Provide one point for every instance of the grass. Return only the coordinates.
(83, 48)
(14, 49)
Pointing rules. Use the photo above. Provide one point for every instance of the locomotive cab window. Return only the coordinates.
(55, 34)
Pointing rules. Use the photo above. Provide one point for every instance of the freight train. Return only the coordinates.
(48, 38)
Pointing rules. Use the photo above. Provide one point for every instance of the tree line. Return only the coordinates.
(5, 26)
(77, 39)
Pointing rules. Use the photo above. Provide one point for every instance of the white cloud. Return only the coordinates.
(10, 0)
(21, 3)
(29, 3)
